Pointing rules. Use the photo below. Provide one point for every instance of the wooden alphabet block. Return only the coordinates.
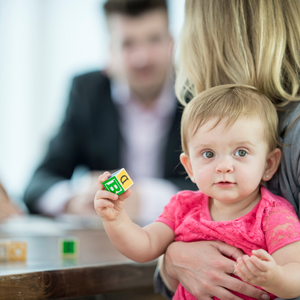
(118, 183)
(4, 249)
(17, 250)
(69, 247)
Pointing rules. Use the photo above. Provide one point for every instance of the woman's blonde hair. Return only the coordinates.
(229, 102)
(253, 42)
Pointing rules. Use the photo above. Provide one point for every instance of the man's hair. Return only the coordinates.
(133, 8)
(229, 102)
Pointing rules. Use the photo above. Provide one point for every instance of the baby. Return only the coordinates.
(229, 141)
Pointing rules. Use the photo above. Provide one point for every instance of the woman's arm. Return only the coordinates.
(204, 269)
(170, 282)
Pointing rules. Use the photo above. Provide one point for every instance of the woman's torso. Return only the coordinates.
(286, 181)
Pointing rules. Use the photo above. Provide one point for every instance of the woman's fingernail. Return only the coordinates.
(265, 297)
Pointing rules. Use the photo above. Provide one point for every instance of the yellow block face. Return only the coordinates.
(17, 250)
(124, 179)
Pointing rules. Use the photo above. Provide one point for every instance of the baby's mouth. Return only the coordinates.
(225, 184)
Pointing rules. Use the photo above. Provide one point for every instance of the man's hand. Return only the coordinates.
(82, 203)
(204, 268)
(7, 207)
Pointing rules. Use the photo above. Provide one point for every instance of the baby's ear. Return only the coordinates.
(186, 162)
(272, 163)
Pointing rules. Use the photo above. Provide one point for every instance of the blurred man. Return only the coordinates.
(126, 116)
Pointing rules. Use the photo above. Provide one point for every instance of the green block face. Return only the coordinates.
(112, 185)
(68, 247)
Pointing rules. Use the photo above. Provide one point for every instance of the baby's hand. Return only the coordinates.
(108, 205)
(260, 269)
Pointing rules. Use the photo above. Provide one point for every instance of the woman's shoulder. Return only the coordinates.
(286, 181)
(289, 121)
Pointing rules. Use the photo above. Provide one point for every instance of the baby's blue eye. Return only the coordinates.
(208, 154)
(241, 153)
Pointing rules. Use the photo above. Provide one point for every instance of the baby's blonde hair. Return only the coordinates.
(229, 102)
(253, 42)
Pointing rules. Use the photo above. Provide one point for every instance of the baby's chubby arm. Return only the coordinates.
(278, 273)
(138, 244)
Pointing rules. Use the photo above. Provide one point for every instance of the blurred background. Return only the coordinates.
(43, 45)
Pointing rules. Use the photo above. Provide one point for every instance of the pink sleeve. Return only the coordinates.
(281, 226)
(169, 212)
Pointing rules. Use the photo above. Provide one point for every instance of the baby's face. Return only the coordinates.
(228, 164)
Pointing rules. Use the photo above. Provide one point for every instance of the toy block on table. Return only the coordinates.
(118, 183)
(4, 249)
(69, 247)
(17, 250)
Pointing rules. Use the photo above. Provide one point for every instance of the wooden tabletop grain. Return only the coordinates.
(99, 268)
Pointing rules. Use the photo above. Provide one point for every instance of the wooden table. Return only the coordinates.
(99, 269)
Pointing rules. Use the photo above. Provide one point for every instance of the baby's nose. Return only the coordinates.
(224, 167)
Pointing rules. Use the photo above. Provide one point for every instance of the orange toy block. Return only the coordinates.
(17, 250)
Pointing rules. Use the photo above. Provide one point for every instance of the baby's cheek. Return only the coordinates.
(204, 179)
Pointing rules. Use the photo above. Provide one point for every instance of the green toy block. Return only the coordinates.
(118, 183)
(69, 247)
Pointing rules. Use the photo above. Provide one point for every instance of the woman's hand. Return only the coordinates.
(204, 269)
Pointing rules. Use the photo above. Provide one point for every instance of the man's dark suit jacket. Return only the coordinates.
(90, 136)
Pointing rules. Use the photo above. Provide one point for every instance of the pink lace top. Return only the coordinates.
(270, 225)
